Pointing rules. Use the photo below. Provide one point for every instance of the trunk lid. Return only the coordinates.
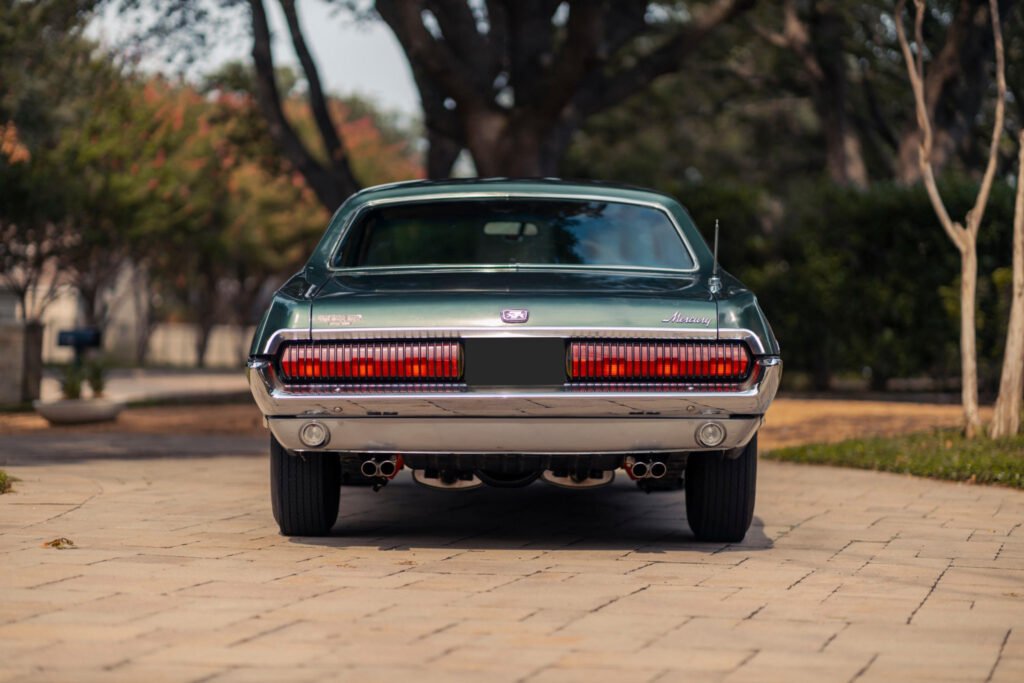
(448, 300)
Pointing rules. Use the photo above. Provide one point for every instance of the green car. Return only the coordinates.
(498, 332)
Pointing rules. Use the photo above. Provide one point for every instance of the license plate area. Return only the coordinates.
(514, 362)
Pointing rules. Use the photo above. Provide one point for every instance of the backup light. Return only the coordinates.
(314, 434)
(710, 434)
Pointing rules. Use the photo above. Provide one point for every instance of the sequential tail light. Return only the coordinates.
(658, 361)
(371, 362)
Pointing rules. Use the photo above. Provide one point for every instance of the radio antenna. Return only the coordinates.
(714, 270)
(715, 282)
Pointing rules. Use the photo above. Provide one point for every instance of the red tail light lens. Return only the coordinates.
(368, 362)
(669, 361)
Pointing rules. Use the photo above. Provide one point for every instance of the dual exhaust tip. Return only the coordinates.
(385, 468)
(640, 469)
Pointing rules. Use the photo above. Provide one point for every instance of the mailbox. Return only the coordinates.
(80, 339)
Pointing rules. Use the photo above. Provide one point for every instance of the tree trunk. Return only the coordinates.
(203, 330)
(844, 158)
(141, 298)
(968, 336)
(1006, 419)
(442, 153)
(32, 361)
(502, 145)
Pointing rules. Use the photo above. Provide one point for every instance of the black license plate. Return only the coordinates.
(514, 362)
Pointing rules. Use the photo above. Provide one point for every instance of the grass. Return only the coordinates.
(942, 454)
(5, 482)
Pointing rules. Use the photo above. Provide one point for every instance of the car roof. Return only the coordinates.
(411, 189)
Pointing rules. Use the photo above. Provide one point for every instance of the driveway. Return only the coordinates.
(178, 574)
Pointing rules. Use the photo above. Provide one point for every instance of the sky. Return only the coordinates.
(353, 58)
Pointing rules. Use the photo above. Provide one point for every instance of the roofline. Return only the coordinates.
(544, 180)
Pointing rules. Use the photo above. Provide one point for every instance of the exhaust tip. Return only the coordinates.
(369, 468)
(640, 469)
(658, 470)
(387, 468)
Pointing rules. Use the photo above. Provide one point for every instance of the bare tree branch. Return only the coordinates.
(915, 70)
(458, 26)
(584, 33)
(530, 46)
(329, 134)
(321, 181)
(795, 37)
(975, 215)
(600, 92)
(436, 57)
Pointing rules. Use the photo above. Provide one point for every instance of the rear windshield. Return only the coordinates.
(538, 232)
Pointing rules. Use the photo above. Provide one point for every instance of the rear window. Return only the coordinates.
(534, 232)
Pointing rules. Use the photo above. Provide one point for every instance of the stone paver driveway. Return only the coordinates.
(178, 574)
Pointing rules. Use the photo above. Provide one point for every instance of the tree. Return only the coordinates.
(955, 87)
(817, 41)
(40, 48)
(1006, 418)
(510, 81)
(963, 236)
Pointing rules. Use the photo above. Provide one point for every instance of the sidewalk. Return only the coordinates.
(135, 385)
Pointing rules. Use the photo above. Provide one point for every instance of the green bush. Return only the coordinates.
(71, 382)
(864, 283)
(96, 376)
(943, 454)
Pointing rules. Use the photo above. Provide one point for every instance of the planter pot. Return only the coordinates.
(78, 411)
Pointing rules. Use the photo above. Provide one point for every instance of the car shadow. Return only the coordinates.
(55, 447)
(405, 516)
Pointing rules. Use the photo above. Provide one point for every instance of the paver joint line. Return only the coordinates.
(929, 594)
(864, 669)
(999, 656)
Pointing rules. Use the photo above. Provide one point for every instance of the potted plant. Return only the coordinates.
(72, 408)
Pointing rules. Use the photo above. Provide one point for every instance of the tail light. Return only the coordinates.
(659, 361)
(371, 362)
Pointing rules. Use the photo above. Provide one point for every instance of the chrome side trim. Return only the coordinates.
(275, 340)
(512, 435)
(502, 330)
(450, 196)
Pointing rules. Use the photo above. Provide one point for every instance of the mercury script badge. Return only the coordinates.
(678, 317)
(515, 315)
(335, 320)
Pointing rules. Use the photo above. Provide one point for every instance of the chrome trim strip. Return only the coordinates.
(512, 435)
(451, 196)
(274, 399)
(502, 330)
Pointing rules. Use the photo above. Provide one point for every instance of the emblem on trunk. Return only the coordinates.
(515, 315)
(335, 320)
(678, 317)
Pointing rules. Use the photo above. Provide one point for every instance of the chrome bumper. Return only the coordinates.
(510, 421)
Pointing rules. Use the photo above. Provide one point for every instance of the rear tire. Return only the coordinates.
(720, 493)
(304, 490)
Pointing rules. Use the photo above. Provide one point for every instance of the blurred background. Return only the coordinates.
(165, 165)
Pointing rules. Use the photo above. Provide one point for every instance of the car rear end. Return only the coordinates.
(575, 344)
